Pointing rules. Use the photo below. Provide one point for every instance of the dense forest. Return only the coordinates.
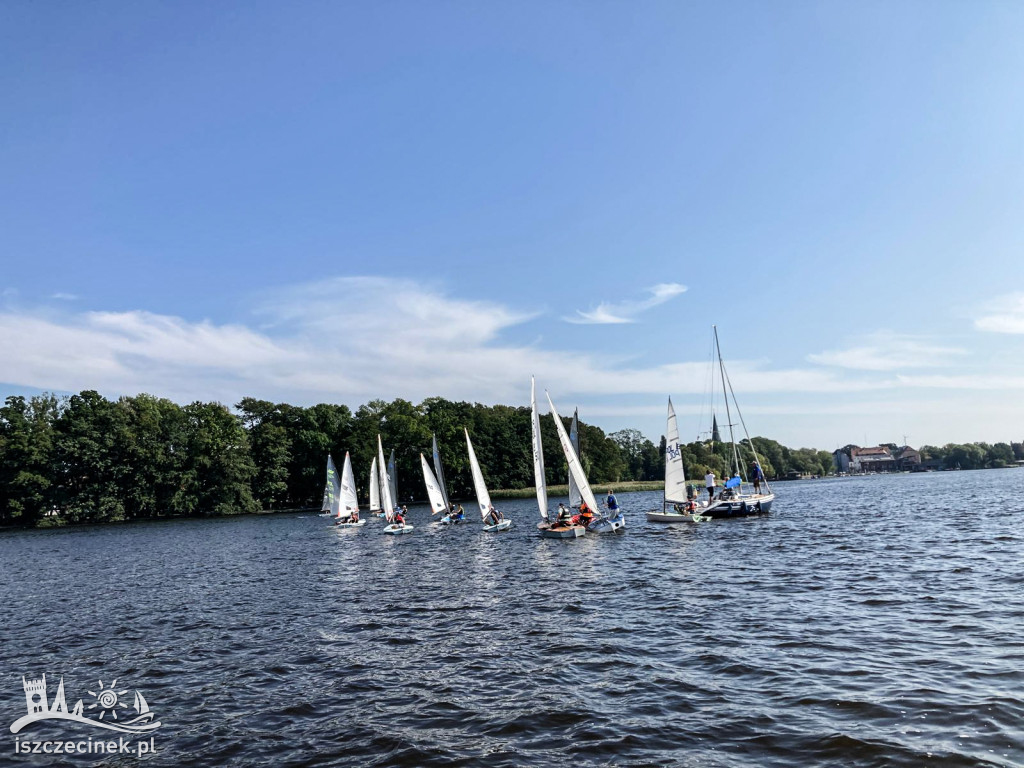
(85, 458)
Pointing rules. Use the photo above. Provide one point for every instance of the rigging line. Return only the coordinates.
(745, 432)
(725, 395)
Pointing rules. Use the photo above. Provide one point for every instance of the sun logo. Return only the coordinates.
(107, 700)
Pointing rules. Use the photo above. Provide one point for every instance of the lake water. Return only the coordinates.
(873, 621)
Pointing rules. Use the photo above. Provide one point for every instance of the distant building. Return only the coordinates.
(852, 459)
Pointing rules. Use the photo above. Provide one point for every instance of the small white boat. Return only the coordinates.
(347, 502)
(483, 498)
(682, 509)
(387, 503)
(547, 528)
(601, 523)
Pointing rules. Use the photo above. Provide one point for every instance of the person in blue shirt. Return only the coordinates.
(613, 505)
(757, 476)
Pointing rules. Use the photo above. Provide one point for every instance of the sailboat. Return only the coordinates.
(385, 494)
(683, 508)
(600, 523)
(450, 517)
(348, 503)
(375, 509)
(434, 494)
(329, 507)
(483, 498)
(393, 478)
(733, 501)
(548, 528)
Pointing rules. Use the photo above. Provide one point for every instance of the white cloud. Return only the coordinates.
(624, 312)
(1005, 314)
(886, 351)
(64, 296)
(348, 340)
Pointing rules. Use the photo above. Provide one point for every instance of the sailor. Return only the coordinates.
(709, 483)
(355, 517)
(613, 505)
(586, 513)
(399, 519)
(460, 514)
(757, 476)
(563, 515)
(493, 516)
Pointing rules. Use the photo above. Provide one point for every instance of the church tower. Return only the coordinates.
(35, 695)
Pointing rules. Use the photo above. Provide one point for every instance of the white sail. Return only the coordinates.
(349, 503)
(538, 455)
(393, 477)
(574, 440)
(437, 502)
(439, 475)
(675, 476)
(483, 498)
(374, 487)
(575, 468)
(385, 486)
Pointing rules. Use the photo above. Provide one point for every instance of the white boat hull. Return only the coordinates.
(547, 531)
(504, 525)
(615, 524)
(669, 517)
(349, 524)
(394, 529)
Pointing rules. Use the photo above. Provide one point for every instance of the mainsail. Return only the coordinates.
(393, 477)
(483, 498)
(332, 489)
(675, 477)
(385, 486)
(437, 502)
(374, 487)
(538, 455)
(439, 475)
(348, 503)
(573, 459)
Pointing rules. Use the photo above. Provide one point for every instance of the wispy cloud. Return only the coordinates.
(1004, 314)
(347, 340)
(625, 312)
(64, 296)
(886, 351)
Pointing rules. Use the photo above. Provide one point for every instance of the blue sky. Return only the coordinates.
(338, 201)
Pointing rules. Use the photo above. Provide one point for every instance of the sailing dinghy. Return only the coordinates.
(483, 498)
(375, 509)
(449, 509)
(434, 494)
(683, 509)
(601, 523)
(329, 507)
(547, 527)
(392, 527)
(348, 503)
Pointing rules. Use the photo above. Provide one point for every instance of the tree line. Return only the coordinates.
(974, 455)
(84, 458)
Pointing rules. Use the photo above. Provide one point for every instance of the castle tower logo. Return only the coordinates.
(108, 709)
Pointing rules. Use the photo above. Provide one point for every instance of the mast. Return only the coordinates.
(538, 455)
(575, 498)
(725, 395)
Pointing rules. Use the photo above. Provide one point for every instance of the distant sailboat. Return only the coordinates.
(332, 490)
(548, 527)
(386, 500)
(483, 498)
(732, 501)
(348, 507)
(393, 478)
(434, 494)
(600, 523)
(683, 508)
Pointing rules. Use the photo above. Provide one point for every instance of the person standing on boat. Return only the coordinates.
(757, 476)
(613, 505)
(709, 483)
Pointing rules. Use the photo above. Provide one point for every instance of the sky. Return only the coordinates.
(341, 201)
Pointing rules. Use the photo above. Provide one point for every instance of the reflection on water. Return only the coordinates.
(869, 621)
